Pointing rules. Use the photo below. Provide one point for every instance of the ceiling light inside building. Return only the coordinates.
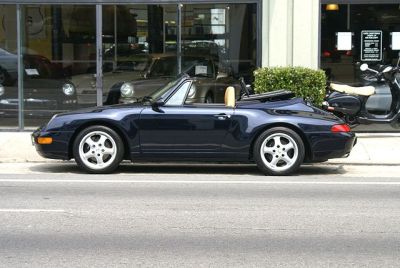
(332, 7)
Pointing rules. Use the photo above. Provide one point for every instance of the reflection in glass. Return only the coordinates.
(344, 66)
(59, 53)
(8, 67)
(224, 36)
(139, 48)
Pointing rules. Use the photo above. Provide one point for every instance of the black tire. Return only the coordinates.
(4, 77)
(209, 98)
(265, 160)
(112, 164)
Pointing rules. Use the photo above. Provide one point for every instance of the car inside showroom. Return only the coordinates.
(71, 56)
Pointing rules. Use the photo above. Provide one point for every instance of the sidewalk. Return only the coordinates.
(371, 149)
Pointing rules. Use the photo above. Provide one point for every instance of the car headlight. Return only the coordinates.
(1, 90)
(68, 89)
(127, 90)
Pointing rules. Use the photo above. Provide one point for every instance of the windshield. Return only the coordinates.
(194, 66)
(164, 89)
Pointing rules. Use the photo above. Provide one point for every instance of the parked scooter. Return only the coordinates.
(349, 103)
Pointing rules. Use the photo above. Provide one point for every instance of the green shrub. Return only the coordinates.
(303, 82)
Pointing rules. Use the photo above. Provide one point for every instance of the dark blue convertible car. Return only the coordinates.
(275, 130)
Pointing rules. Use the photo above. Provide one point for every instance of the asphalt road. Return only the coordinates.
(52, 215)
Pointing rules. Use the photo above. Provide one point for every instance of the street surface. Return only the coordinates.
(53, 215)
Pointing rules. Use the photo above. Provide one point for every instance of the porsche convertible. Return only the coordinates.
(275, 130)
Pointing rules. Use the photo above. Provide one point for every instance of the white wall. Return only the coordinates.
(290, 33)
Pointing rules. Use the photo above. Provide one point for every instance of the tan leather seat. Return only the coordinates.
(362, 91)
(230, 97)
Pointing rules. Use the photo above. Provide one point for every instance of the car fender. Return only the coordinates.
(124, 121)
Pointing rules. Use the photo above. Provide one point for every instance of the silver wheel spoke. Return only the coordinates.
(289, 146)
(268, 150)
(108, 151)
(99, 160)
(88, 155)
(277, 141)
(287, 160)
(102, 140)
(90, 142)
(274, 161)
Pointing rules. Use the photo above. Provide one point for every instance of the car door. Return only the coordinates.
(175, 128)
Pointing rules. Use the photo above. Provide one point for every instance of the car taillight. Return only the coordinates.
(340, 128)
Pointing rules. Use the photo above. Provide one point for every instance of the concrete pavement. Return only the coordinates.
(371, 149)
(194, 215)
(194, 219)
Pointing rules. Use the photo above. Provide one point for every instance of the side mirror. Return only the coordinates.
(157, 104)
(364, 67)
(145, 75)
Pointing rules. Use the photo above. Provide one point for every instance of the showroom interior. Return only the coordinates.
(61, 55)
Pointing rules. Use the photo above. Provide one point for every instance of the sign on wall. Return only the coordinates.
(371, 45)
(344, 41)
(395, 41)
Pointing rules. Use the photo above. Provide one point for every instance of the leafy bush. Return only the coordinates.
(303, 82)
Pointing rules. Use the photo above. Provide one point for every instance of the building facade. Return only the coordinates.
(58, 55)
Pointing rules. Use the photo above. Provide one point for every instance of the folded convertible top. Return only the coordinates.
(270, 96)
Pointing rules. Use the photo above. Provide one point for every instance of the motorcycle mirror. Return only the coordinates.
(398, 61)
(364, 67)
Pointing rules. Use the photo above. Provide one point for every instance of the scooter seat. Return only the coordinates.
(362, 91)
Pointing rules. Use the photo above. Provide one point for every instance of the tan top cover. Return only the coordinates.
(362, 91)
(230, 97)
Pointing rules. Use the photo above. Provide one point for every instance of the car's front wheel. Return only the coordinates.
(278, 151)
(98, 149)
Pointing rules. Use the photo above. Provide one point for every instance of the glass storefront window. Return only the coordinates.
(214, 46)
(218, 44)
(224, 33)
(8, 67)
(59, 48)
(139, 44)
(371, 27)
(140, 53)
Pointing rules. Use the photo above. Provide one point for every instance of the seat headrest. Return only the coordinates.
(230, 97)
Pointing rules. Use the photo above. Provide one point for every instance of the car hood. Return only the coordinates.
(86, 83)
(103, 109)
(38, 88)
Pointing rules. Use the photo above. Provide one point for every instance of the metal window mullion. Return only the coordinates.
(20, 64)
(99, 55)
(259, 33)
(115, 39)
(179, 38)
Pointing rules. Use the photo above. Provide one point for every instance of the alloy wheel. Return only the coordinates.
(97, 150)
(279, 152)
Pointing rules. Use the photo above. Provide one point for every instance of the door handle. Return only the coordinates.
(222, 116)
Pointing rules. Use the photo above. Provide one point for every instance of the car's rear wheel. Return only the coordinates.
(279, 151)
(209, 98)
(98, 149)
